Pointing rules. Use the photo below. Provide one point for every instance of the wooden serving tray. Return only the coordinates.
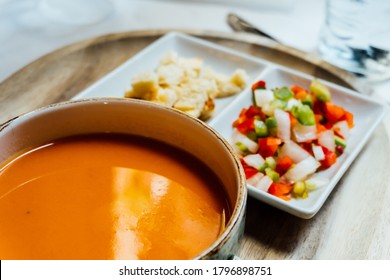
(354, 221)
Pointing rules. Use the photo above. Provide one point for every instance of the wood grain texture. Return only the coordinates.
(354, 223)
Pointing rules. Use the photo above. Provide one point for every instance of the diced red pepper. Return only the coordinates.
(259, 84)
(337, 133)
(248, 170)
(318, 107)
(349, 118)
(280, 189)
(333, 113)
(243, 112)
(293, 120)
(299, 92)
(241, 117)
(339, 150)
(268, 146)
(254, 111)
(307, 146)
(273, 141)
(285, 197)
(296, 89)
(248, 113)
(246, 126)
(283, 164)
(330, 158)
(319, 126)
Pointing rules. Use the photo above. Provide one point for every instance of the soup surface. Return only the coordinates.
(108, 197)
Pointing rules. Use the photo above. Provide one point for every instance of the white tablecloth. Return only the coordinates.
(26, 34)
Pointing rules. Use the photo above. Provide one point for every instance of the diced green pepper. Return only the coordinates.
(294, 111)
(252, 135)
(260, 128)
(263, 167)
(283, 93)
(277, 103)
(271, 123)
(271, 162)
(320, 90)
(242, 147)
(272, 174)
(308, 100)
(340, 141)
(306, 115)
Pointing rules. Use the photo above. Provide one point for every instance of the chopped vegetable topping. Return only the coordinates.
(288, 135)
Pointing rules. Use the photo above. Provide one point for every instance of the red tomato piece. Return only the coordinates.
(349, 118)
(254, 111)
(283, 164)
(333, 113)
(268, 146)
(319, 118)
(296, 89)
(259, 84)
(330, 158)
(280, 189)
(246, 126)
(248, 170)
(293, 120)
(241, 118)
(273, 141)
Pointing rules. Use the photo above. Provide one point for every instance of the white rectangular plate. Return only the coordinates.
(368, 114)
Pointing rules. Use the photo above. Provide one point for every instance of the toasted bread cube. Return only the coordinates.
(142, 85)
(239, 78)
(228, 89)
(208, 109)
(169, 75)
(169, 58)
(165, 96)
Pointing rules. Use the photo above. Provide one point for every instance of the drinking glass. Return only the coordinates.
(356, 37)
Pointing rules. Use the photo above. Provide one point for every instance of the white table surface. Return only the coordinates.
(26, 35)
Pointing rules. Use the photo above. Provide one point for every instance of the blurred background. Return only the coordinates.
(30, 29)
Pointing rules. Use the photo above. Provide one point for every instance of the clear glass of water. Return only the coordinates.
(356, 37)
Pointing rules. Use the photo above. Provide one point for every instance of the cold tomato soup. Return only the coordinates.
(108, 197)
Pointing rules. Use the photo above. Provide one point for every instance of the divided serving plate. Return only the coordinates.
(368, 113)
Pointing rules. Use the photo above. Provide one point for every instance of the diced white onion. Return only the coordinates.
(239, 137)
(326, 139)
(318, 152)
(268, 110)
(263, 97)
(303, 133)
(342, 128)
(255, 179)
(294, 151)
(254, 160)
(302, 169)
(283, 124)
(237, 150)
(317, 181)
(264, 183)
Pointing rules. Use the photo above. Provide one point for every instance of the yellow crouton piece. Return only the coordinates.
(143, 85)
(165, 96)
(239, 78)
(186, 84)
(234, 84)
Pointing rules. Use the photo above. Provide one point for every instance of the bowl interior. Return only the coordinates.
(128, 116)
